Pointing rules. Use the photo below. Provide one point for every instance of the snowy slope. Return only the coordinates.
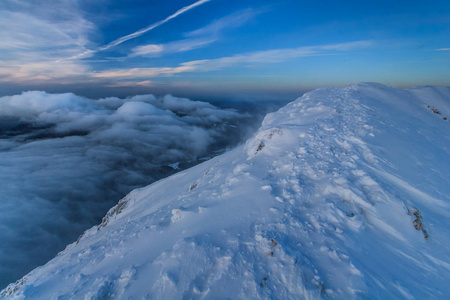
(343, 193)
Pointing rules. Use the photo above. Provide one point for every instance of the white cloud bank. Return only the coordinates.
(66, 159)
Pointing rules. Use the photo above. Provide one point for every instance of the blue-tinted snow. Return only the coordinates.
(323, 202)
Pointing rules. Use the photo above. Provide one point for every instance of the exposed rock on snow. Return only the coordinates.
(418, 223)
(318, 204)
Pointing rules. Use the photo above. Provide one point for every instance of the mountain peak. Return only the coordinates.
(342, 193)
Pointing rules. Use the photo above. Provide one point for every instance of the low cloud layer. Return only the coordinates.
(66, 160)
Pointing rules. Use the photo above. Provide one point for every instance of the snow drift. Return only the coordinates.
(343, 193)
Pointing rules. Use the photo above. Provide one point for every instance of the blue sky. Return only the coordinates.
(210, 46)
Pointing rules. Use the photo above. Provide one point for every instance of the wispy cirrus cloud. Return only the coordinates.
(42, 41)
(34, 71)
(198, 38)
(141, 31)
(231, 21)
(145, 83)
(443, 49)
(243, 60)
(35, 35)
(172, 47)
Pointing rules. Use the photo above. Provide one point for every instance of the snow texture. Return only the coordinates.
(342, 194)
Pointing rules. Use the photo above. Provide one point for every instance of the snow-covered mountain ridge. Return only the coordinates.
(343, 193)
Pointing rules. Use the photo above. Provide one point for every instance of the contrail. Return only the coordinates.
(142, 31)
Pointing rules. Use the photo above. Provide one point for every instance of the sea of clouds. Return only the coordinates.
(65, 160)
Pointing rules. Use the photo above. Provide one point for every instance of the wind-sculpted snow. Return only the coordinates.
(329, 199)
(66, 159)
